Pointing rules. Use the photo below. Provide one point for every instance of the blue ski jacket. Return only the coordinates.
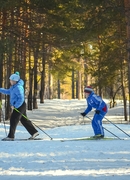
(94, 101)
(16, 93)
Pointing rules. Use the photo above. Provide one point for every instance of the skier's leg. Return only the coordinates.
(28, 125)
(25, 122)
(97, 125)
(14, 119)
(94, 125)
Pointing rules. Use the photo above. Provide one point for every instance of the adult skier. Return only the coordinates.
(17, 100)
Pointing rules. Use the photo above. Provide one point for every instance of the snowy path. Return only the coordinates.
(70, 160)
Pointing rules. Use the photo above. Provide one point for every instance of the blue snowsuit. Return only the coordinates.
(94, 101)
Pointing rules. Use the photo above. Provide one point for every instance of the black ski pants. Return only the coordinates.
(16, 117)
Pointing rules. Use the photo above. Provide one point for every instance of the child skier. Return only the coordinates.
(94, 101)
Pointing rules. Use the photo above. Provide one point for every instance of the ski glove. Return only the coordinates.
(83, 114)
(97, 111)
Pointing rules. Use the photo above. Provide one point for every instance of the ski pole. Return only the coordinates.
(32, 123)
(112, 133)
(108, 130)
(83, 120)
(115, 126)
(3, 118)
(4, 123)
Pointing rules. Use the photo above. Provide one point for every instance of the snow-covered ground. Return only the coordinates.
(70, 160)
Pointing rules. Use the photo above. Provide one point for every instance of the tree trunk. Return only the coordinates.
(79, 82)
(35, 106)
(73, 82)
(30, 89)
(79, 86)
(50, 86)
(30, 84)
(127, 13)
(58, 89)
(42, 90)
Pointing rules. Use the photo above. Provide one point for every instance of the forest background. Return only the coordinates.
(60, 46)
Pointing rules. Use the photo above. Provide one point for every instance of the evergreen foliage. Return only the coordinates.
(42, 38)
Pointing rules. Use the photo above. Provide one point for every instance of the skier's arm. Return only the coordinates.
(5, 91)
(88, 109)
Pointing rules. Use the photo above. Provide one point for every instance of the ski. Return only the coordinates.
(27, 139)
(89, 139)
(68, 139)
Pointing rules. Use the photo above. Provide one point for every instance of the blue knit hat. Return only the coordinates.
(15, 77)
